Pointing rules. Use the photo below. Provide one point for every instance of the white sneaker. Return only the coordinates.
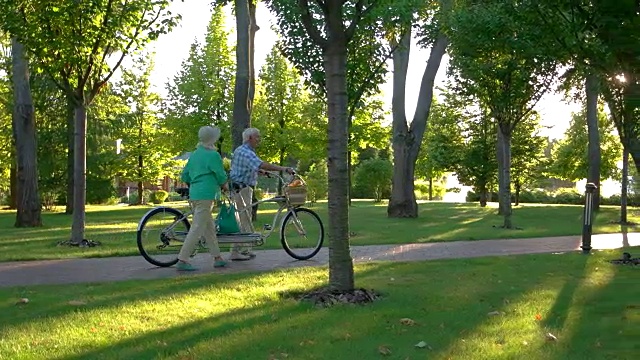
(236, 256)
(248, 252)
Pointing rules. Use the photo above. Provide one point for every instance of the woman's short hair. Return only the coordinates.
(249, 132)
(209, 135)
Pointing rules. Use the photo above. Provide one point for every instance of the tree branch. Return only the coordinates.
(307, 22)
(360, 13)
(96, 45)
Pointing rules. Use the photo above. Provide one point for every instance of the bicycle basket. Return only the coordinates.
(296, 192)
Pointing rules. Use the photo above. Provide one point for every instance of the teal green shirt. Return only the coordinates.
(204, 173)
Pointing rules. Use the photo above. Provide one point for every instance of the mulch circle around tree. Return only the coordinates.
(83, 243)
(626, 260)
(325, 297)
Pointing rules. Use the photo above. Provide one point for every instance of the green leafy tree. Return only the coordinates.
(527, 154)
(317, 181)
(407, 137)
(498, 55)
(478, 166)
(7, 158)
(80, 45)
(442, 144)
(278, 108)
(200, 94)
(322, 32)
(373, 176)
(146, 155)
(571, 161)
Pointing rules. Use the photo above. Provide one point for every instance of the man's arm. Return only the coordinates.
(273, 167)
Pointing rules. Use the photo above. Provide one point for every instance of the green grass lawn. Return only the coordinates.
(483, 308)
(115, 227)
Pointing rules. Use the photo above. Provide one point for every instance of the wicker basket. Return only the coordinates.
(297, 195)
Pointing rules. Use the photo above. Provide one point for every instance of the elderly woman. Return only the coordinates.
(205, 175)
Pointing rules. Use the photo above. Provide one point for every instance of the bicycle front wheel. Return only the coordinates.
(302, 233)
(161, 233)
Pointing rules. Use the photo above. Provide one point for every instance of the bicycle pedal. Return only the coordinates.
(266, 227)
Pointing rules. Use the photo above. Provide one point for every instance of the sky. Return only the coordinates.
(171, 49)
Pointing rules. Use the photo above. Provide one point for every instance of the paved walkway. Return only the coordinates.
(135, 267)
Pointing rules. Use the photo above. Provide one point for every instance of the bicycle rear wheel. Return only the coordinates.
(302, 235)
(161, 233)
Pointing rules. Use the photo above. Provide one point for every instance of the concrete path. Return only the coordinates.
(71, 271)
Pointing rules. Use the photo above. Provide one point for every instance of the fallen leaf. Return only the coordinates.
(392, 279)
(551, 337)
(384, 350)
(494, 313)
(23, 301)
(77, 303)
(525, 342)
(538, 317)
(407, 321)
(421, 345)
(284, 355)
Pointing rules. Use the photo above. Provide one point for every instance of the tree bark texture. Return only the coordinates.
(624, 196)
(27, 200)
(80, 172)
(504, 172)
(500, 160)
(241, 101)
(335, 63)
(593, 176)
(71, 115)
(407, 139)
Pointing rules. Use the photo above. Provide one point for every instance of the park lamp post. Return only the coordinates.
(588, 218)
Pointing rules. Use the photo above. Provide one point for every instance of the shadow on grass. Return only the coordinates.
(444, 301)
(606, 306)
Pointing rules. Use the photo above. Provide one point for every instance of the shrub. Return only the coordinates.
(317, 182)
(159, 196)
(373, 179)
(568, 196)
(421, 189)
(174, 196)
(536, 196)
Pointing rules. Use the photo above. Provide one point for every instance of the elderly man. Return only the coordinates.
(245, 166)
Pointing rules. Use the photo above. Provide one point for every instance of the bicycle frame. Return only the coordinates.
(258, 238)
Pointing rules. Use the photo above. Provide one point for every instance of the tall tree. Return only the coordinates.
(571, 155)
(24, 124)
(507, 69)
(200, 93)
(331, 25)
(245, 81)
(7, 145)
(442, 145)
(146, 156)
(74, 42)
(527, 155)
(478, 165)
(407, 138)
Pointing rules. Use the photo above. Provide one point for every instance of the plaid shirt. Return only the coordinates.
(244, 166)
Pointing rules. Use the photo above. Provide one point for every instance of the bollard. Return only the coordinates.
(588, 218)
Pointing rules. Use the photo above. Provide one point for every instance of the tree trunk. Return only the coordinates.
(80, 168)
(253, 28)
(27, 199)
(241, 102)
(504, 169)
(335, 65)
(430, 188)
(71, 115)
(624, 196)
(517, 186)
(140, 182)
(349, 174)
(483, 195)
(13, 184)
(500, 159)
(593, 175)
(406, 140)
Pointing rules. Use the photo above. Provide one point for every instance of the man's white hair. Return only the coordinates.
(249, 132)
